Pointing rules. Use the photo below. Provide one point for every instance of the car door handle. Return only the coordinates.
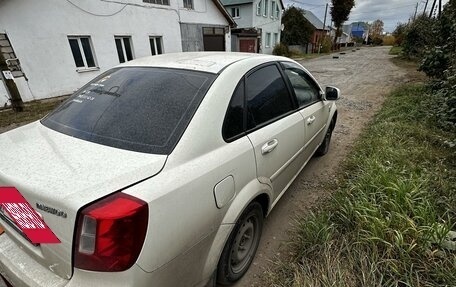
(311, 120)
(269, 146)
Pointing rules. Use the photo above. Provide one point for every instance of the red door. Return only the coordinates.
(247, 45)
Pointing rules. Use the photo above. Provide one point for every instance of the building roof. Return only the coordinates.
(212, 62)
(317, 23)
(235, 2)
(225, 13)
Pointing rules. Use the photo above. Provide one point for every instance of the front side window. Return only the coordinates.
(124, 50)
(259, 5)
(188, 4)
(235, 12)
(267, 96)
(160, 2)
(277, 12)
(81, 48)
(140, 109)
(276, 38)
(156, 47)
(305, 89)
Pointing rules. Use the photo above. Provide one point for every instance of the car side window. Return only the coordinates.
(233, 125)
(267, 96)
(306, 91)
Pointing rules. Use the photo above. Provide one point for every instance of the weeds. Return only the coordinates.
(393, 210)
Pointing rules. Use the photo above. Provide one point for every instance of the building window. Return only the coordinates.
(259, 7)
(159, 2)
(156, 47)
(124, 50)
(273, 5)
(266, 8)
(276, 38)
(188, 4)
(81, 47)
(268, 40)
(277, 11)
(235, 12)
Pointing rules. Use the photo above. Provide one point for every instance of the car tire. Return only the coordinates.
(241, 246)
(324, 147)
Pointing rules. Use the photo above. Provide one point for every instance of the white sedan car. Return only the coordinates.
(160, 171)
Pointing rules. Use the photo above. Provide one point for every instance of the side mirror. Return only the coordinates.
(332, 93)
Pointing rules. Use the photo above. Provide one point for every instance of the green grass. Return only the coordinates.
(32, 111)
(393, 208)
(395, 50)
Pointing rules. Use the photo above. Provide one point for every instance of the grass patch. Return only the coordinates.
(395, 204)
(395, 50)
(32, 111)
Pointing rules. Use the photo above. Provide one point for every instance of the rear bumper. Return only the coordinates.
(19, 269)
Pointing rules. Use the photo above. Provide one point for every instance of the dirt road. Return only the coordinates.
(364, 77)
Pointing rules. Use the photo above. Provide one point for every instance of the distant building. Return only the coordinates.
(360, 30)
(320, 31)
(53, 47)
(258, 24)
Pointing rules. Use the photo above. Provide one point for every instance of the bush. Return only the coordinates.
(439, 63)
(377, 41)
(281, 49)
(326, 45)
(418, 36)
(389, 40)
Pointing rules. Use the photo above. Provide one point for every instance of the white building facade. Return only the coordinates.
(258, 24)
(53, 47)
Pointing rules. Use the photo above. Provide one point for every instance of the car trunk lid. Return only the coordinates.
(58, 174)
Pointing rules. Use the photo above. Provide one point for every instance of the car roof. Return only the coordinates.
(212, 62)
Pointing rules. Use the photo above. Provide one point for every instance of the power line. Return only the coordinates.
(308, 4)
(99, 15)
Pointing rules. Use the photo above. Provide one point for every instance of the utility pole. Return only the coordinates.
(16, 101)
(432, 9)
(416, 10)
(440, 7)
(324, 28)
(425, 7)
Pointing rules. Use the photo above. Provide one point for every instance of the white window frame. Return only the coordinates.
(192, 5)
(124, 51)
(266, 8)
(81, 50)
(236, 9)
(276, 38)
(267, 40)
(154, 38)
(273, 5)
(277, 11)
(259, 7)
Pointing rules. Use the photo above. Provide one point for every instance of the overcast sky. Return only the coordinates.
(389, 11)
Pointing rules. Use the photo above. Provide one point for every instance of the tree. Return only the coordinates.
(298, 31)
(377, 28)
(399, 33)
(340, 11)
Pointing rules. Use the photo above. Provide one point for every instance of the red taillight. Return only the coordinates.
(110, 233)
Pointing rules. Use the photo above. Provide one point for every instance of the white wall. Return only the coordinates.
(245, 15)
(3, 94)
(267, 25)
(39, 30)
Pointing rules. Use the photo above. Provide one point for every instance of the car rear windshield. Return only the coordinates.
(134, 108)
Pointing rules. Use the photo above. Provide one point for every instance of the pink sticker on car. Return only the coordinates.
(15, 209)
